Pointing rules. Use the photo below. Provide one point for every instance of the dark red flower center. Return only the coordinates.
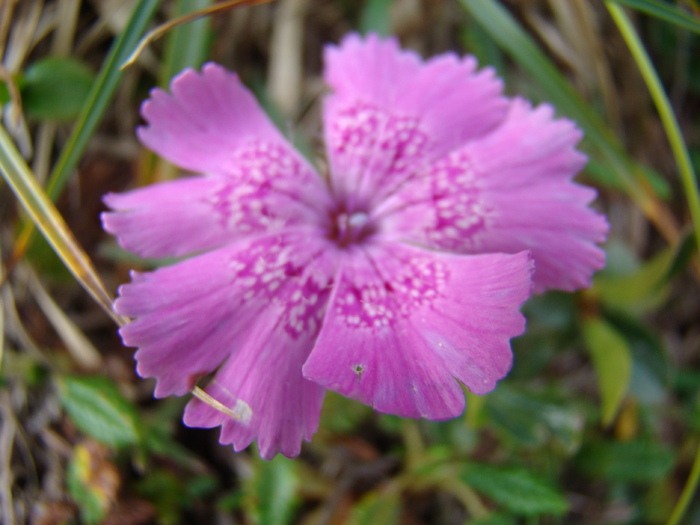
(350, 227)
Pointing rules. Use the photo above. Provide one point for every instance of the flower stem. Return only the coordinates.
(687, 495)
(663, 106)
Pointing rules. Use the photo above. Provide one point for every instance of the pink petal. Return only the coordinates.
(190, 317)
(257, 307)
(391, 112)
(403, 323)
(264, 190)
(209, 116)
(264, 375)
(508, 192)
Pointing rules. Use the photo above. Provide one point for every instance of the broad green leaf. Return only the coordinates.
(272, 493)
(630, 462)
(641, 291)
(551, 327)
(651, 371)
(55, 88)
(535, 421)
(375, 17)
(665, 11)
(612, 359)
(516, 489)
(342, 415)
(382, 505)
(167, 491)
(99, 410)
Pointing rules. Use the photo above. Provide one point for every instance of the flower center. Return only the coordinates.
(350, 228)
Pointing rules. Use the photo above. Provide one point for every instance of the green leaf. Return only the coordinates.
(382, 505)
(516, 489)
(55, 88)
(167, 491)
(631, 462)
(664, 11)
(640, 291)
(84, 486)
(535, 420)
(494, 518)
(375, 17)
(651, 370)
(612, 359)
(272, 494)
(99, 410)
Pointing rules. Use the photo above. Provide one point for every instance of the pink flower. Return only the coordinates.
(390, 279)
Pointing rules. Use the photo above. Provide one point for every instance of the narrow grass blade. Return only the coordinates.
(663, 106)
(664, 11)
(187, 45)
(100, 96)
(509, 35)
(50, 223)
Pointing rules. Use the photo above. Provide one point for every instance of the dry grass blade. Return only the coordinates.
(79, 346)
(161, 30)
(7, 438)
(285, 72)
(2, 318)
(49, 221)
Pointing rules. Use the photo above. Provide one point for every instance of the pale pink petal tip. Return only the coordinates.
(170, 219)
(526, 169)
(207, 117)
(509, 191)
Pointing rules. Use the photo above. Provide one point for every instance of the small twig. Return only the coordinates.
(159, 31)
(7, 438)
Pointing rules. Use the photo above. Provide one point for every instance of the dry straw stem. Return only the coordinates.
(2, 315)
(45, 215)
(161, 30)
(285, 72)
(79, 346)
